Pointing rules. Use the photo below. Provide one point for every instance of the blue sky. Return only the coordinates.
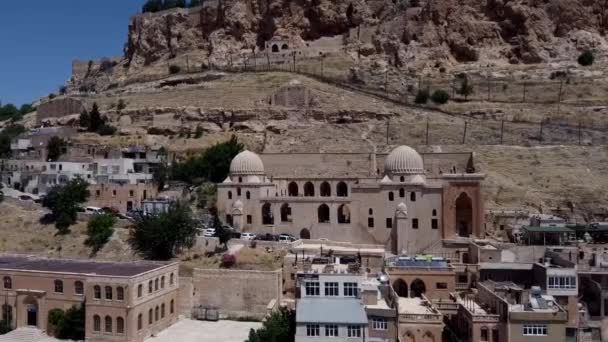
(40, 38)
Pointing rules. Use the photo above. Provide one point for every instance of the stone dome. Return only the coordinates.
(246, 163)
(403, 160)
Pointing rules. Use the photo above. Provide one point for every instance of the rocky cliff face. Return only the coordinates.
(528, 31)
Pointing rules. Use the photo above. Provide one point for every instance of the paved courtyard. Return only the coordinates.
(188, 330)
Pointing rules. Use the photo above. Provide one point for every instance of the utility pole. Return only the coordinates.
(464, 135)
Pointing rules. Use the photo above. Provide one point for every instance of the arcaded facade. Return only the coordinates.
(412, 202)
(125, 302)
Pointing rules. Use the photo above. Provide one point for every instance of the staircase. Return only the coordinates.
(27, 334)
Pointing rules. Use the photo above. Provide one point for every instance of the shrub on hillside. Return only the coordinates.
(174, 69)
(422, 97)
(586, 58)
(440, 97)
(55, 148)
(99, 230)
(64, 200)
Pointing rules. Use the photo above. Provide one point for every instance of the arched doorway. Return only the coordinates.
(31, 308)
(309, 190)
(325, 189)
(275, 48)
(428, 337)
(343, 214)
(400, 288)
(267, 217)
(409, 337)
(323, 213)
(284, 47)
(464, 215)
(417, 288)
(292, 189)
(305, 234)
(285, 213)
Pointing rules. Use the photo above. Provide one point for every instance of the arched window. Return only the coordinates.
(156, 282)
(120, 325)
(162, 310)
(323, 213)
(402, 192)
(238, 192)
(413, 197)
(162, 282)
(78, 287)
(371, 211)
(109, 292)
(120, 293)
(229, 194)
(402, 179)
(156, 313)
(275, 48)
(139, 321)
(434, 212)
(292, 189)
(8, 283)
(58, 286)
(309, 190)
(140, 290)
(267, 217)
(342, 190)
(285, 213)
(108, 324)
(284, 47)
(391, 196)
(240, 179)
(343, 214)
(248, 195)
(325, 189)
(150, 286)
(171, 306)
(171, 279)
(96, 323)
(150, 316)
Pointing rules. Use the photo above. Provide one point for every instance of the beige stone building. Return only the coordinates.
(124, 301)
(409, 204)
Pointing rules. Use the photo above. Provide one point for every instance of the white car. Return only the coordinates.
(248, 236)
(284, 238)
(93, 210)
(209, 232)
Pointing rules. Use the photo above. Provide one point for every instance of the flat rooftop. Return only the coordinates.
(330, 310)
(414, 306)
(102, 268)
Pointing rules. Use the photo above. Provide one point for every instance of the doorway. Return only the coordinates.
(32, 315)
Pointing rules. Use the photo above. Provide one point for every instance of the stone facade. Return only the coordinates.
(238, 293)
(59, 107)
(118, 295)
(353, 202)
(123, 197)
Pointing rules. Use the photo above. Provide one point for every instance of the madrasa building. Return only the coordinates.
(412, 202)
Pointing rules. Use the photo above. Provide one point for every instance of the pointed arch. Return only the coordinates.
(325, 189)
(267, 217)
(323, 213)
(342, 189)
(400, 287)
(343, 214)
(309, 189)
(292, 189)
(417, 288)
(464, 215)
(286, 213)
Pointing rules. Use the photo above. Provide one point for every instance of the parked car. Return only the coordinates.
(248, 236)
(286, 238)
(25, 198)
(209, 232)
(93, 210)
(267, 237)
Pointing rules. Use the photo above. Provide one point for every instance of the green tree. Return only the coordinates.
(465, 89)
(152, 6)
(279, 327)
(26, 109)
(95, 119)
(422, 97)
(163, 235)
(6, 136)
(586, 58)
(440, 97)
(55, 148)
(64, 200)
(55, 319)
(8, 111)
(99, 230)
(84, 119)
(106, 129)
(72, 326)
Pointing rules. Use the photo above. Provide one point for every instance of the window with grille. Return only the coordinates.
(535, 330)
(331, 289)
(351, 289)
(312, 288)
(331, 330)
(379, 324)
(354, 331)
(312, 330)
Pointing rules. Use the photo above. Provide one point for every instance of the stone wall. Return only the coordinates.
(59, 107)
(236, 293)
